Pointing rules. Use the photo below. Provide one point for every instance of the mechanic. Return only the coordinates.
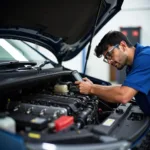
(119, 52)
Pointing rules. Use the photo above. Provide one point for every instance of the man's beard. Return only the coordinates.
(121, 67)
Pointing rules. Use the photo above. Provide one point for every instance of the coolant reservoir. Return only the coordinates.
(61, 88)
(7, 123)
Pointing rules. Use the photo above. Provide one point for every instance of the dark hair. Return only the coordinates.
(111, 38)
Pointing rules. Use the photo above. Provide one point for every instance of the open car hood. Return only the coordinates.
(64, 27)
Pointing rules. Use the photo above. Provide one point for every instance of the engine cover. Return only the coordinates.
(36, 111)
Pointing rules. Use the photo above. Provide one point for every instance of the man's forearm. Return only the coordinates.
(108, 93)
(116, 94)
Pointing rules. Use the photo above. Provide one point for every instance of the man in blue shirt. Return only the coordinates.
(119, 52)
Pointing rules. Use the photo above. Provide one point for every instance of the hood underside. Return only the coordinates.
(71, 22)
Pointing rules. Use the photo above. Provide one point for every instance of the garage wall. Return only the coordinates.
(134, 13)
(75, 63)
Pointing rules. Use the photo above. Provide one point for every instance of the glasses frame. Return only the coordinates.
(108, 54)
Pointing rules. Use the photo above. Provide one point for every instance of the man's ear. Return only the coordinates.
(123, 44)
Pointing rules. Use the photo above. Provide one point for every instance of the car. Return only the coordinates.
(41, 107)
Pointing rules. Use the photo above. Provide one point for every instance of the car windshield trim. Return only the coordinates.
(17, 63)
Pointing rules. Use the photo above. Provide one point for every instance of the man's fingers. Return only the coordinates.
(77, 82)
(86, 79)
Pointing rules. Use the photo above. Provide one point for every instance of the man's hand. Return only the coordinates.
(87, 80)
(85, 86)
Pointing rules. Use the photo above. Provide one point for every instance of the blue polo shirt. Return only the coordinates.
(138, 77)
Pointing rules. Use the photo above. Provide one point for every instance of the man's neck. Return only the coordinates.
(131, 53)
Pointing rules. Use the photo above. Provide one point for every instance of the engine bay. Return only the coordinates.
(47, 107)
(42, 107)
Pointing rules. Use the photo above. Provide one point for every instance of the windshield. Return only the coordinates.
(16, 50)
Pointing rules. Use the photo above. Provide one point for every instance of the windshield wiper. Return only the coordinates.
(14, 64)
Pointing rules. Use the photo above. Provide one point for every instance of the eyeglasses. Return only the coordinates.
(108, 55)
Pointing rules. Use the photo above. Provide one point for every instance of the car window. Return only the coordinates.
(11, 50)
(45, 52)
(4, 55)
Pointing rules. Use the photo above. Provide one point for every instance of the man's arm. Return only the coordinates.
(116, 94)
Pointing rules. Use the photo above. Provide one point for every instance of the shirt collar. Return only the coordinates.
(137, 48)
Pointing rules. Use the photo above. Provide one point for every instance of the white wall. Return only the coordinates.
(75, 63)
(134, 13)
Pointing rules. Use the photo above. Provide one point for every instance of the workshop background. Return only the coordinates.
(134, 16)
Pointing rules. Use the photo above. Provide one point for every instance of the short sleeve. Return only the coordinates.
(139, 77)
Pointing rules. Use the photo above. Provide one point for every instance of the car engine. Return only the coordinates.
(54, 105)
(40, 110)
(46, 106)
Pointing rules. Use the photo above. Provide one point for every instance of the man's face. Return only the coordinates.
(116, 56)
